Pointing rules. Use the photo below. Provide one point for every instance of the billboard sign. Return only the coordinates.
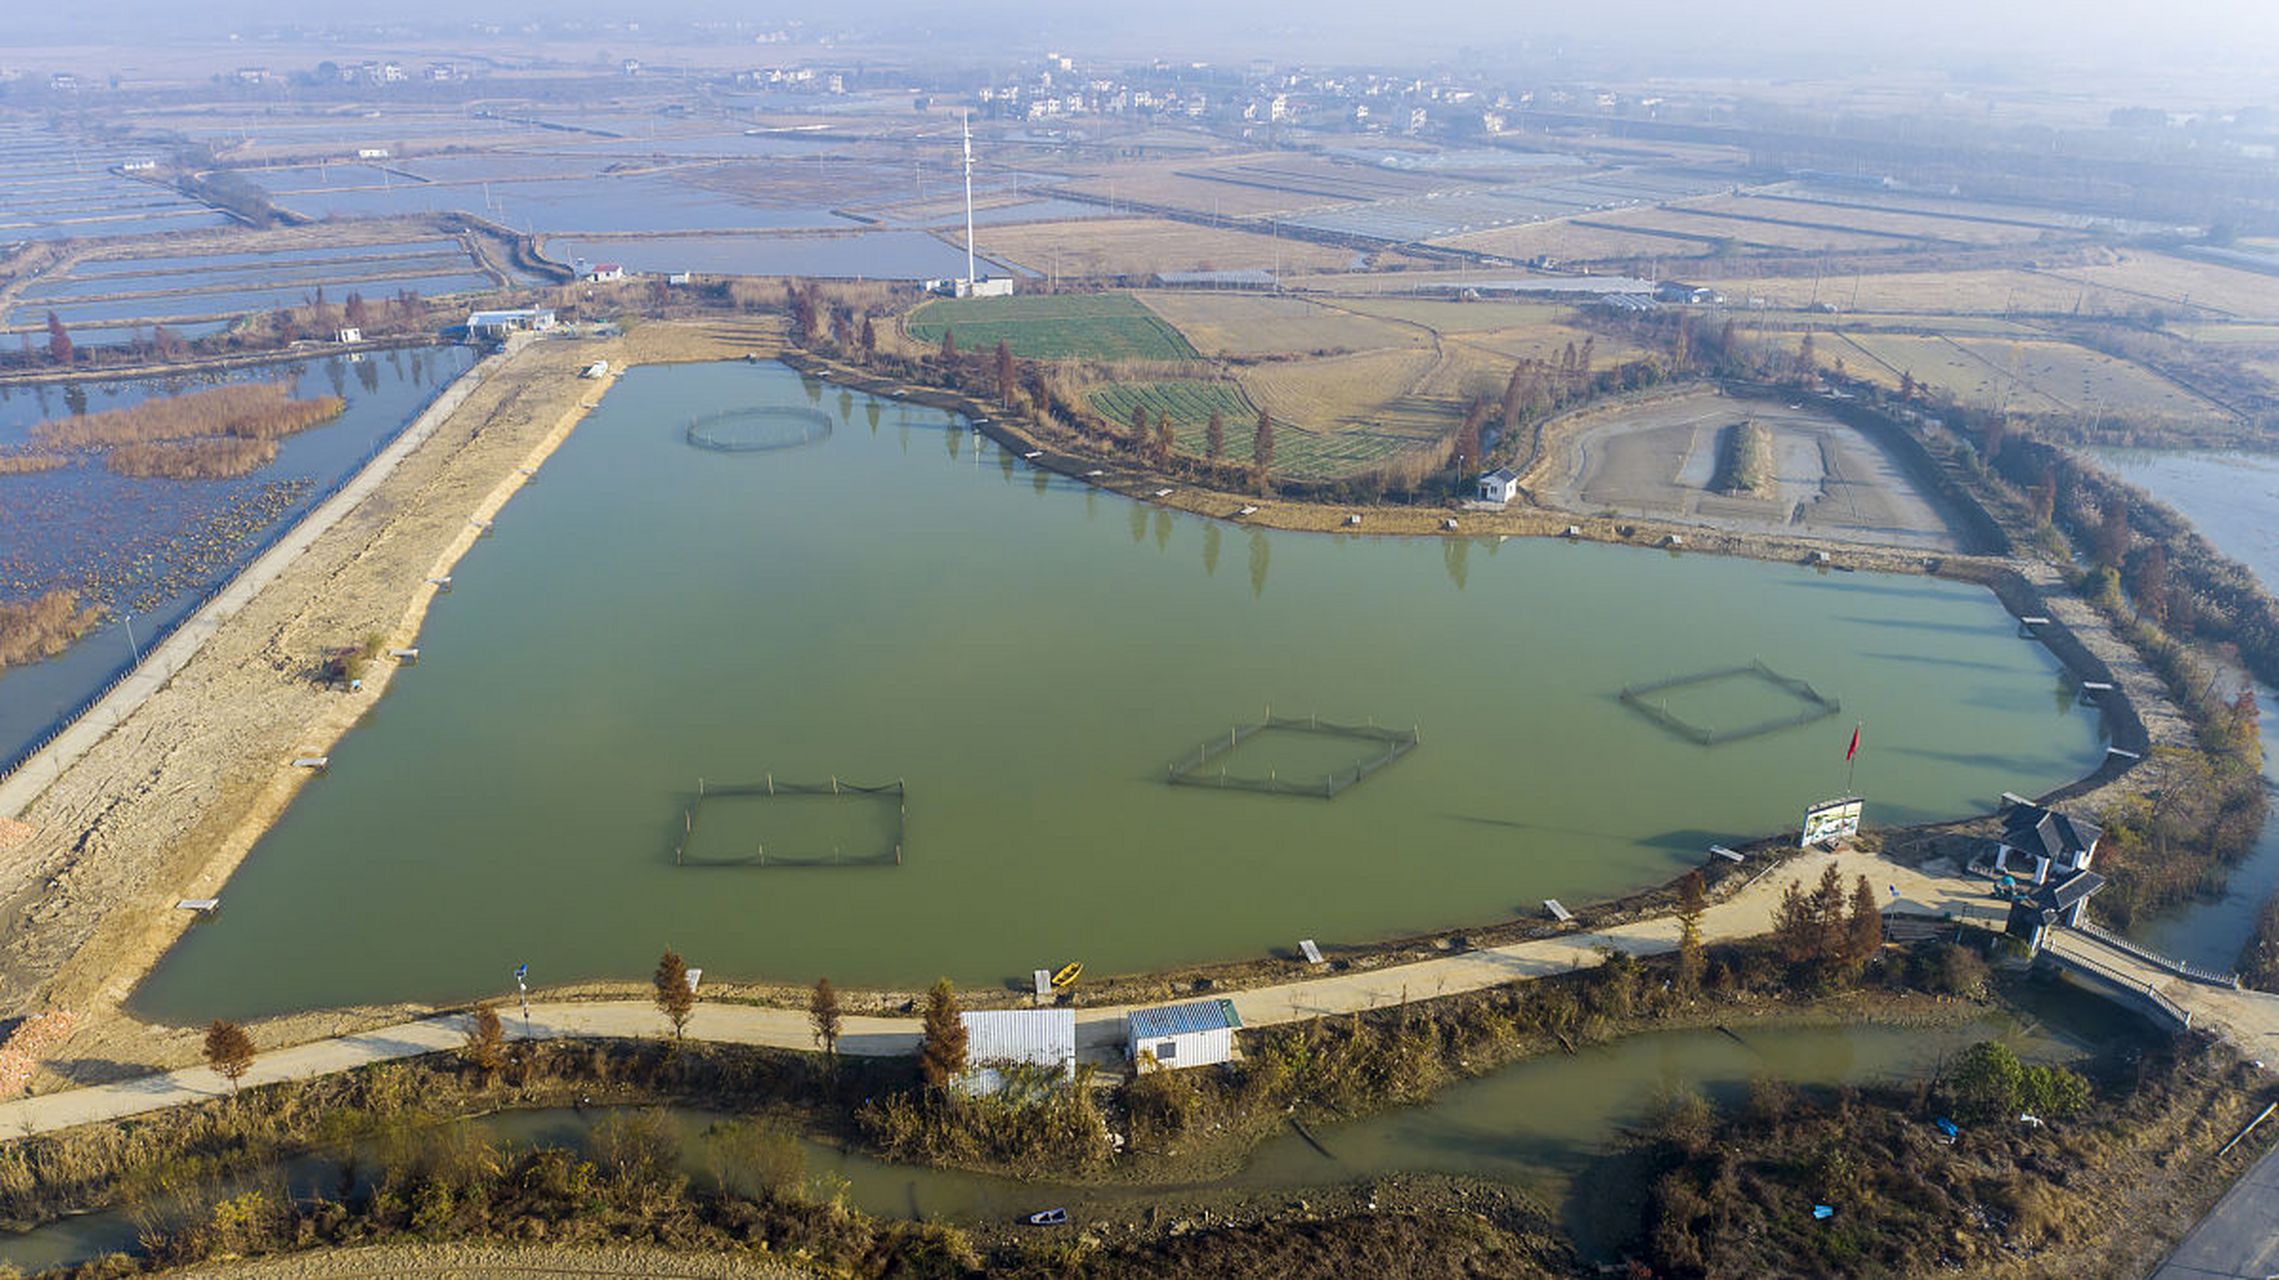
(1832, 820)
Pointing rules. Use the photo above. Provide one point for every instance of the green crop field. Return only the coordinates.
(1105, 326)
(1189, 403)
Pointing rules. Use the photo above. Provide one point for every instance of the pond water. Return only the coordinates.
(1544, 1125)
(225, 301)
(333, 275)
(2233, 499)
(903, 601)
(154, 547)
(286, 257)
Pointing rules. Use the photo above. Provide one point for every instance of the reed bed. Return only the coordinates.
(248, 411)
(41, 626)
(24, 464)
(192, 459)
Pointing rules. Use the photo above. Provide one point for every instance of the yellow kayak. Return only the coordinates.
(1068, 975)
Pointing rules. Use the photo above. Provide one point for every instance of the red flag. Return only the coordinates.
(1853, 749)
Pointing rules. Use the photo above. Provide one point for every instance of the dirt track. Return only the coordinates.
(171, 800)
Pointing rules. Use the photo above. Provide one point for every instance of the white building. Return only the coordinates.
(498, 324)
(605, 272)
(996, 1038)
(1499, 485)
(1194, 1034)
(349, 335)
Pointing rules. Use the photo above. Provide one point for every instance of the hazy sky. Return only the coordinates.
(1713, 36)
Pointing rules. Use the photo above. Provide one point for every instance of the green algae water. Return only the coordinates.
(904, 602)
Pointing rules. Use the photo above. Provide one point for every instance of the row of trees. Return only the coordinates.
(1828, 934)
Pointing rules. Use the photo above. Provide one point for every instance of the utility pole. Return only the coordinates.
(968, 118)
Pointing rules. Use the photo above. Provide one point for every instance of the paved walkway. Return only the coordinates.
(2250, 1019)
(2239, 1239)
(1100, 1031)
(159, 665)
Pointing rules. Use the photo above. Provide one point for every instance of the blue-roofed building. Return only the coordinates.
(1194, 1034)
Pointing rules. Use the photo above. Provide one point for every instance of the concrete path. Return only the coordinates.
(2246, 1017)
(2239, 1239)
(19, 789)
(1100, 1031)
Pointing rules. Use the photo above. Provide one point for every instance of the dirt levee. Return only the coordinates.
(1660, 461)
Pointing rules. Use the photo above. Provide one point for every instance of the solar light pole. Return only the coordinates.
(133, 647)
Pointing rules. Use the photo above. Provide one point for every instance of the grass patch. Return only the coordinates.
(1106, 326)
(1190, 405)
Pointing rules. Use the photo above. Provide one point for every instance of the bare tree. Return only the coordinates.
(486, 1040)
(1215, 436)
(823, 1013)
(58, 340)
(1692, 898)
(1262, 445)
(676, 997)
(941, 1053)
(229, 1051)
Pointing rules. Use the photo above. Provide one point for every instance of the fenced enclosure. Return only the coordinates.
(772, 823)
(759, 429)
(1374, 748)
(1804, 703)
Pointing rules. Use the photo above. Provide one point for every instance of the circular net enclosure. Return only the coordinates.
(759, 430)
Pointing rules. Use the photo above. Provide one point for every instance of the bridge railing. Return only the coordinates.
(2144, 991)
(2181, 968)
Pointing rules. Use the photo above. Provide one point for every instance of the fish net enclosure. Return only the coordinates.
(773, 823)
(1347, 754)
(1768, 703)
(759, 429)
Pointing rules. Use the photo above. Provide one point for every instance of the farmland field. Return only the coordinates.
(1929, 226)
(1146, 246)
(1107, 326)
(2051, 377)
(1249, 324)
(1567, 241)
(2155, 280)
(1345, 414)
(1190, 404)
(1997, 291)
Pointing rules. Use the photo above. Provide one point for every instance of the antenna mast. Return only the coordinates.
(969, 201)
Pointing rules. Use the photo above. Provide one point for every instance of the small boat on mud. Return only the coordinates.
(1048, 1218)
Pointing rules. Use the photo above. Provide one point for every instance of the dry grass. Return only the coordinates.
(2037, 376)
(1994, 291)
(249, 411)
(1241, 324)
(41, 627)
(2156, 280)
(24, 464)
(192, 459)
(1345, 414)
(1145, 246)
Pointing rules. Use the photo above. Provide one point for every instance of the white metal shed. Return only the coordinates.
(1027, 1037)
(1194, 1034)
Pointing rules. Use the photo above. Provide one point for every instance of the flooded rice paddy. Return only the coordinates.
(903, 601)
(151, 548)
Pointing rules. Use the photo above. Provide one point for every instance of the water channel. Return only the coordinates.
(2232, 499)
(1544, 1125)
(901, 601)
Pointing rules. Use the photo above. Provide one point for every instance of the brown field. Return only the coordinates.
(2153, 279)
(1248, 324)
(1921, 225)
(1448, 316)
(1752, 235)
(2039, 377)
(1346, 414)
(1144, 246)
(1995, 291)
(1180, 183)
(1567, 242)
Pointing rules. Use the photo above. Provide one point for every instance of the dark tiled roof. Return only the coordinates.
(2048, 833)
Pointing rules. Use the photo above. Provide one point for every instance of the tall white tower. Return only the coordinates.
(969, 201)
